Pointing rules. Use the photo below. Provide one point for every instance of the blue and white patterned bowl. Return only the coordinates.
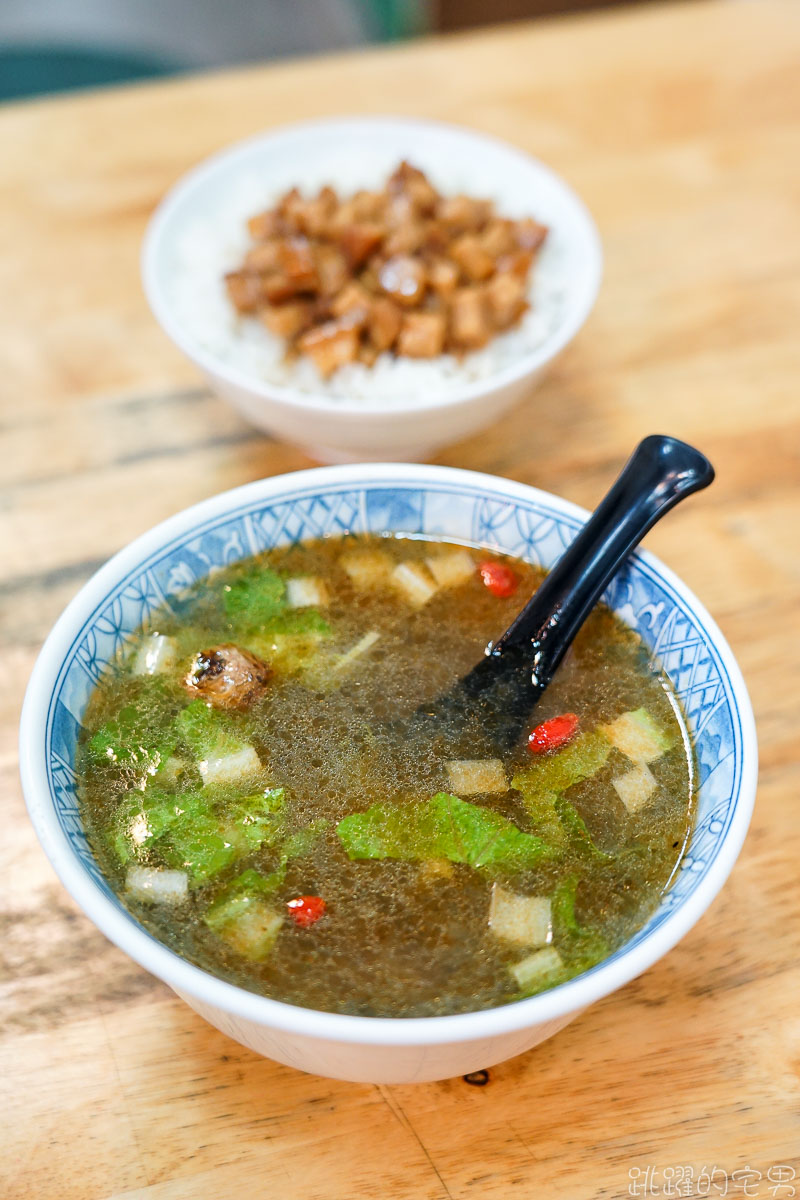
(462, 506)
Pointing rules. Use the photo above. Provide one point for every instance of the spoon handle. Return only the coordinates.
(659, 473)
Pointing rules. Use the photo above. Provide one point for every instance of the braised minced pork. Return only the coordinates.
(403, 269)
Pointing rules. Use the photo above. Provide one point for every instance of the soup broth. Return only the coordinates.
(249, 791)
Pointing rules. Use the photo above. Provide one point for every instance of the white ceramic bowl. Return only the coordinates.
(463, 506)
(198, 232)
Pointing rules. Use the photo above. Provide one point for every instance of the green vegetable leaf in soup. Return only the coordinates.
(221, 755)
(290, 641)
(206, 730)
(442, 827)
(255, 821)
(297, 845)
(236, 895)
(128, 740)
(188, 833)
(543, 783)
(559, 823)
(580, 760)
(545, 820)
(576, 831)
(255, 599)
(581, 946)
(301, 622)
(142, 818)
(242, 917)
(200, 847)
(240, 914)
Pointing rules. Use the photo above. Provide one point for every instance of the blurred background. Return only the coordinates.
(57, 45)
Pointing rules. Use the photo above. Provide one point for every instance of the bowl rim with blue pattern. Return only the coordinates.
(496, 513)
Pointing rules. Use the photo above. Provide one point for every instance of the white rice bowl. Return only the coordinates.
(200, 232)
(212, 245)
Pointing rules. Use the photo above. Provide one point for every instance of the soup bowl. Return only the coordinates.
(436, 502)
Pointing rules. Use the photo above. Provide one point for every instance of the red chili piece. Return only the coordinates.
(305, 910)
(553, 734)
(499, 579)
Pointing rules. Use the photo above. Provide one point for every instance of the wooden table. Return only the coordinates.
(681, 128)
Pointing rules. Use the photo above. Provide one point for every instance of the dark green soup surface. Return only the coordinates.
(249, 796)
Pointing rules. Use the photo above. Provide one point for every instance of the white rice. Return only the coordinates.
(209, 246)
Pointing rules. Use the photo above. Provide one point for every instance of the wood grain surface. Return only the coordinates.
(680, 126)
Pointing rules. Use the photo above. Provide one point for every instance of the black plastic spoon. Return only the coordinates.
(492, 704)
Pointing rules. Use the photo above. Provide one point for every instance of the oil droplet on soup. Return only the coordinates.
(248, 796)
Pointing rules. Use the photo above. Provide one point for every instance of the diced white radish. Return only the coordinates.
(523, 920)
(157, 885)
(307, 592)
(137, 828)
(369, 570)
(253, 931)
(157, 653)
(469, 776)
(432, 870)
(361, 647)
(452, 568)
(538, 968)
(415, 581)
(227, 768)
(637, 736)
(635, 787)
